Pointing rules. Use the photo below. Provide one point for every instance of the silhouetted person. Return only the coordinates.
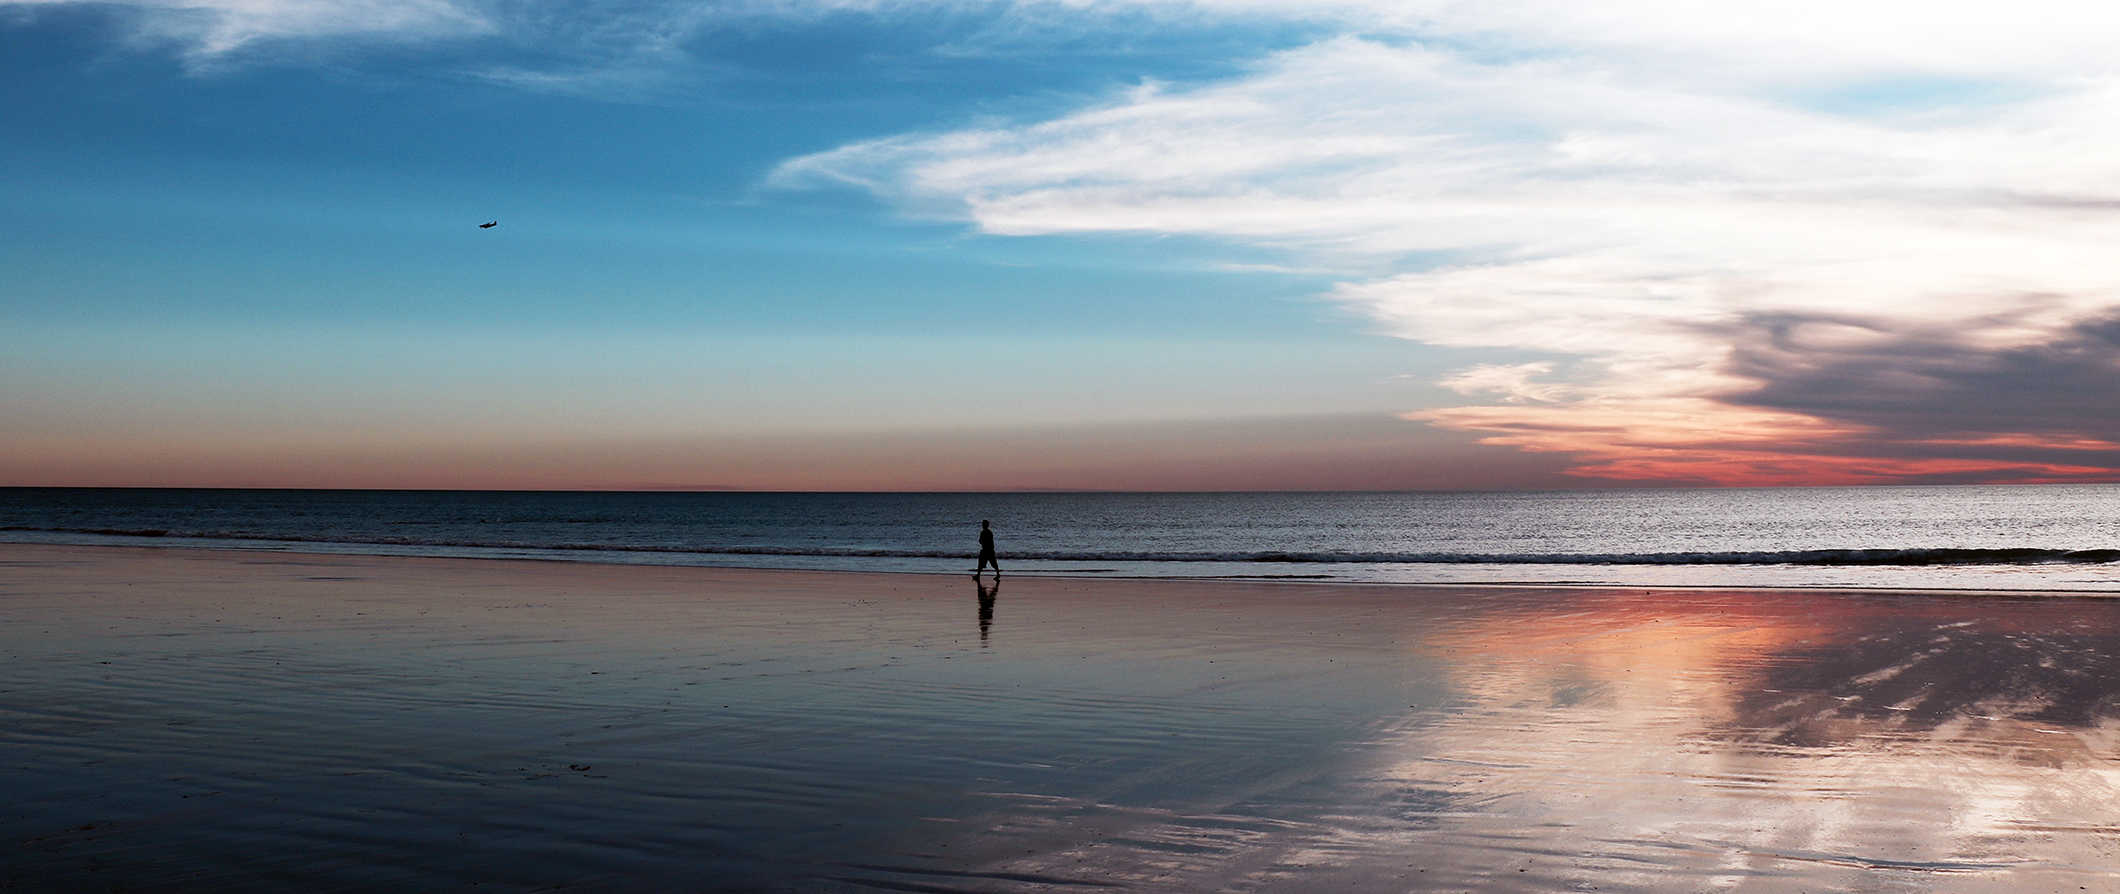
(986, 551)
(986, 606)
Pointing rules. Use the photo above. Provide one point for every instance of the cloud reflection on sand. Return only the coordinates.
(1740, 740)
(374, 722)
(1699, 741)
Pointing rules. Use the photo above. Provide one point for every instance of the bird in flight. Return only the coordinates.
(489, 225)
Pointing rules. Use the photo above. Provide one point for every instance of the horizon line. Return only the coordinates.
(1049, 491)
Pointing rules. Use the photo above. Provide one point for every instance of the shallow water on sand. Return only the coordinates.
(192, 719)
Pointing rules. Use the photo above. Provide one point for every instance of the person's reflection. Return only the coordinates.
(986, 607)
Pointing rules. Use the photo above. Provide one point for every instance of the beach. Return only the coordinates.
(195, 719)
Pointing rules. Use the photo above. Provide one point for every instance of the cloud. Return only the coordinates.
(635, 48)
(213, 28)
(1796, 44)
(1515, 383)
(618, 46)
(1634, 190)
(1925, 383)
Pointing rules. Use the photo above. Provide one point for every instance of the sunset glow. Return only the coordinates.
(874, 246)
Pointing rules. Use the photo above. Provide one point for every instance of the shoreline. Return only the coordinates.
(1291, 581)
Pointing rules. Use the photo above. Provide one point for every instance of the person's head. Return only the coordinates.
(982, 523)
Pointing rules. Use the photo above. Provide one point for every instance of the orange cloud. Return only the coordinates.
(1704, 441)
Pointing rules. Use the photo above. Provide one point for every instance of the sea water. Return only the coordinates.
(2046, 537)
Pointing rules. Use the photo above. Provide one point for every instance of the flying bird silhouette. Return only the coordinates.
(489, 225)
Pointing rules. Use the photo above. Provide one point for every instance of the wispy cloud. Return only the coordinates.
(618, 46)
(1800, 45)
(209, 29)
(1634, 190)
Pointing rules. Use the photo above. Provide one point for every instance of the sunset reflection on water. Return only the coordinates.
(440, 721)
(1701, 740)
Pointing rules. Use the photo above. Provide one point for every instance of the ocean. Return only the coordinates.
(2029, 538)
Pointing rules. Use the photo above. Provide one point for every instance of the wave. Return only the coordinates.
(106, 532)
(1913, 556)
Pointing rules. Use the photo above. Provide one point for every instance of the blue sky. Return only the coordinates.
(197, 234)
(1521, 247)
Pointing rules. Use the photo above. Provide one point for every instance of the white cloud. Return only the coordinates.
(1793, 43)
(1514, 383)
(1591, 203)
(209, 28)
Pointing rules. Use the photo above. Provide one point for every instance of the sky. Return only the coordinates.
(1057, 244)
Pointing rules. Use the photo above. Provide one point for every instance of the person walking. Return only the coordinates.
(986, 551)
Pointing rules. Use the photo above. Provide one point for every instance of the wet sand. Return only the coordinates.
(189, 719)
